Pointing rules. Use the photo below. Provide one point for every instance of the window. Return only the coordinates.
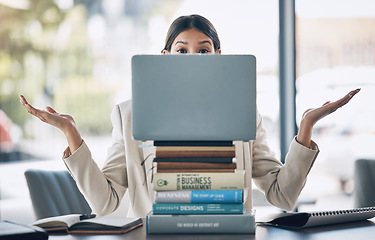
(335, 43)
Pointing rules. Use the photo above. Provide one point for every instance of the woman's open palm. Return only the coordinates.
(50, 116)
(313, 115)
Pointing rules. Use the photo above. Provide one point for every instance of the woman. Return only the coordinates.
(124, 171)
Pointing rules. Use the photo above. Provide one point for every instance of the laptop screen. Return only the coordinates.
(194, 97)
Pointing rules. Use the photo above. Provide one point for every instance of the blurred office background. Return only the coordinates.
(74, 55)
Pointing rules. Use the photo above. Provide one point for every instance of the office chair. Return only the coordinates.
(55, 193)
(364, 181)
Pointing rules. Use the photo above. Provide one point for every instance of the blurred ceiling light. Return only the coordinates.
(18, 4)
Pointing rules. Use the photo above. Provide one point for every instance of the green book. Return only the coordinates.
(198, 181)
(201, 224)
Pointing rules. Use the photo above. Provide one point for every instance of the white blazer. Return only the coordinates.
(129, 168)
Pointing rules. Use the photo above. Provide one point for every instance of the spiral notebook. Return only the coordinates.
(314, 219)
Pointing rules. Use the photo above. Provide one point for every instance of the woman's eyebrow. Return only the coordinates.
(202, 42)
(205, 41)
(180, 42)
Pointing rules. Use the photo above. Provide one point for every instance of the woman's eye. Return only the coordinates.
(181, 51)
(203, 51)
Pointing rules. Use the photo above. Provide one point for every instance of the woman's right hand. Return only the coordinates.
(61, 121)
(64, 122)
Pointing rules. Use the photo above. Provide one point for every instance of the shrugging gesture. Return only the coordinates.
(313, 115)
(64, 122)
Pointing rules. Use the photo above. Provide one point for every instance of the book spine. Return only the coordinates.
(195, 151)
(195, 159)
(161, 154)
(194, 170)
(194, 143)
(212, 196)
(198, 181)
(195, 165)
(180, 224)
(197, 208)
(194, 148)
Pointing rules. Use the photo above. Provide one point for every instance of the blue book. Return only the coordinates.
(200, 196)
(197, 208)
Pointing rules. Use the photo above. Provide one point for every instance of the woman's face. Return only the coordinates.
(192, 41)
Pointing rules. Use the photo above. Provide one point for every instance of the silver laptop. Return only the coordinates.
(194, 97)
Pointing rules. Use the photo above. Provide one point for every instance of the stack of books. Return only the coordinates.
(198, 190)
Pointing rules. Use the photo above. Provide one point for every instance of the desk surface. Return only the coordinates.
(355, 230)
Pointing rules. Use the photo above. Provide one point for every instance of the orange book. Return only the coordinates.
(179, 151)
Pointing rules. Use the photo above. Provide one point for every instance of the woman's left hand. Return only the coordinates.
(313, 115)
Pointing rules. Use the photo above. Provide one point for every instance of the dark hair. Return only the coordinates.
(184, 23)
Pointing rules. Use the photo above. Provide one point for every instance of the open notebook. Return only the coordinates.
(78, 223)
(313, 219)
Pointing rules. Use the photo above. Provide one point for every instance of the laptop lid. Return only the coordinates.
(194, 97)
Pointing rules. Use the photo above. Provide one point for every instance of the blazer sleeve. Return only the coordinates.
(281, 183)
(102, 188)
